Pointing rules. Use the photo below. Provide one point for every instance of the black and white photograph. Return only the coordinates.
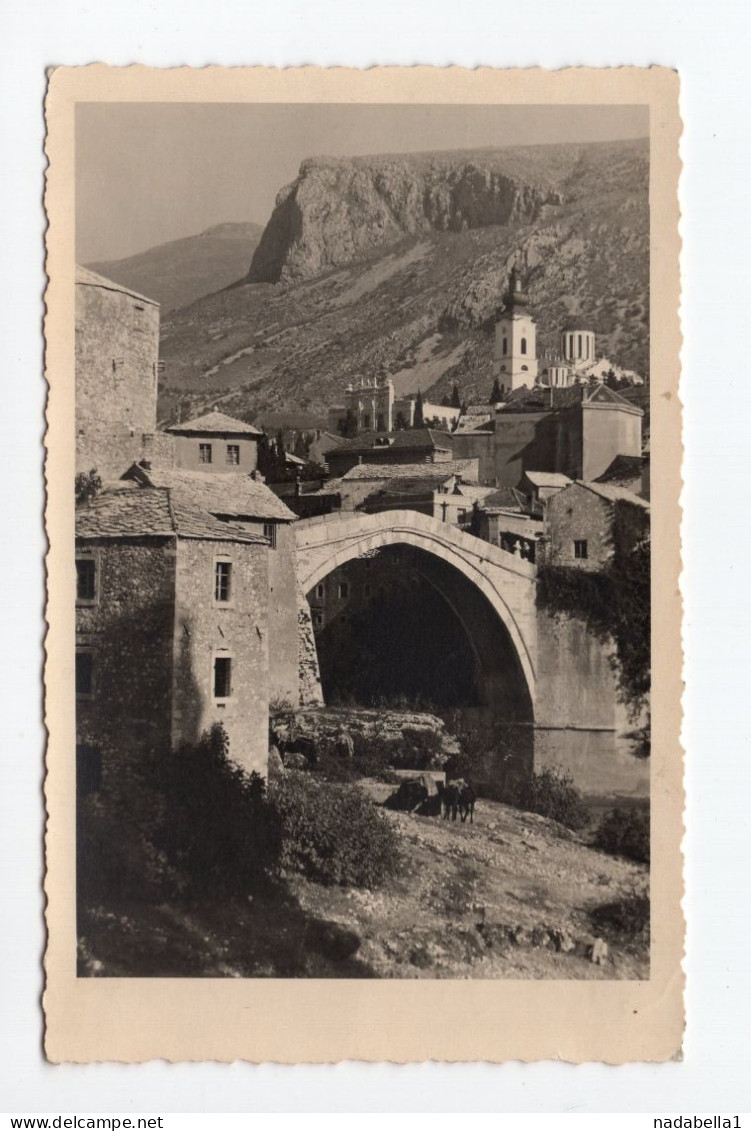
(362, 541)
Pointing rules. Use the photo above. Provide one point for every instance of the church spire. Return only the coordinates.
(516, 298)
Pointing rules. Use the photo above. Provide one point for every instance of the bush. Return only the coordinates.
(628, 916)
(624, 831)
(333, 833)
(221, 830)
(552, 793)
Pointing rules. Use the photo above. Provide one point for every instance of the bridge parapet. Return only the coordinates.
(326, 542)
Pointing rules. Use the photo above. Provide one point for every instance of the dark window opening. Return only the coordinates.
(269, 531)
(84, 673)
(343, 589)
(580, 548)
(233, 453)
(222, 677)
(505, 346)
(204, 453)
(524, 345)
(222, 581)
(85, 579)
(318, 619)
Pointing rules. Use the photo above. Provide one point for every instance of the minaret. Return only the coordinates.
(515, 354)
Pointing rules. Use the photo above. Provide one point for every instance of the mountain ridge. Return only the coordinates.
(180, 271)
(411, 289)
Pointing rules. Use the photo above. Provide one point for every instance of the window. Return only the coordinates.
(381, 425)
(269, 531)
(505, 346)
(524, 345)
(319, 591)
(580, 345)
(222, 581)
(366, 420)
(204, 453)
(343, 589)
(580, 548)
(222, 677)
(86, 593)
(233, 453)
(84, 674)
(318, 619)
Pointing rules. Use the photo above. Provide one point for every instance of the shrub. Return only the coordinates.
(628, 916)
(221, 830)
(552, 793)
(333, 833)
(624, 831)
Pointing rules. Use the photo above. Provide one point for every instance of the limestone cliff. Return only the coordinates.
(398, 264)
(338, 211)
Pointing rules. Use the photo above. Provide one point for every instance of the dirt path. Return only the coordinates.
(506, 897)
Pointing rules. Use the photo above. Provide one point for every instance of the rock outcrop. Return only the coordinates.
(339, 211)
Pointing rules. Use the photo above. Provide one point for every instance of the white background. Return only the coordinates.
(709, 43)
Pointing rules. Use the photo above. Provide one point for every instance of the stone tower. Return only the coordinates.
(515, 354)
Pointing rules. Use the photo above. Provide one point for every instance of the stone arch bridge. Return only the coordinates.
(546, 676)
(506, 582)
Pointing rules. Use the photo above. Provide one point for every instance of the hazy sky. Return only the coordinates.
(148, 173)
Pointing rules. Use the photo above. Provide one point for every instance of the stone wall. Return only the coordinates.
(479, 446)
(117, 349)
(608, 431)
(129, 633)
(309, 674)
(239, 630)
(523, 442)
(574, 514)
(581, 726)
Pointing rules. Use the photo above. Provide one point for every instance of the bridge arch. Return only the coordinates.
(507, 582)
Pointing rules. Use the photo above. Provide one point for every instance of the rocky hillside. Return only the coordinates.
(181, 271)
(398, 263)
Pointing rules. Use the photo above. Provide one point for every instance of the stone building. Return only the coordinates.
(577, 431)
(418, 445)
(248, 504)
(215, 443)
(117, 371)
(171, 627)
(372, 406)
(587, 524)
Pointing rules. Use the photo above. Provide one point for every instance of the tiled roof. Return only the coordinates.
(504, 498)
(547, 478)
(614, 494)
(152, 512)
(622, 467)
(419, 439)
(438, 471)
(216, 423)
(239, 496)
(86, 278)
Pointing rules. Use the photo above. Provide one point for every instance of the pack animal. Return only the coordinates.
(459, 799)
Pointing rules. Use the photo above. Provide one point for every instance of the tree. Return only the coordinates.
(348, 426)
(301, 448)
(88, 484)
(497, 393)
(456, 400)
(419, 421)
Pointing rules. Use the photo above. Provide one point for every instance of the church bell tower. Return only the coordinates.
(515, 353)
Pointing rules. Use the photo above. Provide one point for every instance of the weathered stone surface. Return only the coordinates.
(337, 211)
